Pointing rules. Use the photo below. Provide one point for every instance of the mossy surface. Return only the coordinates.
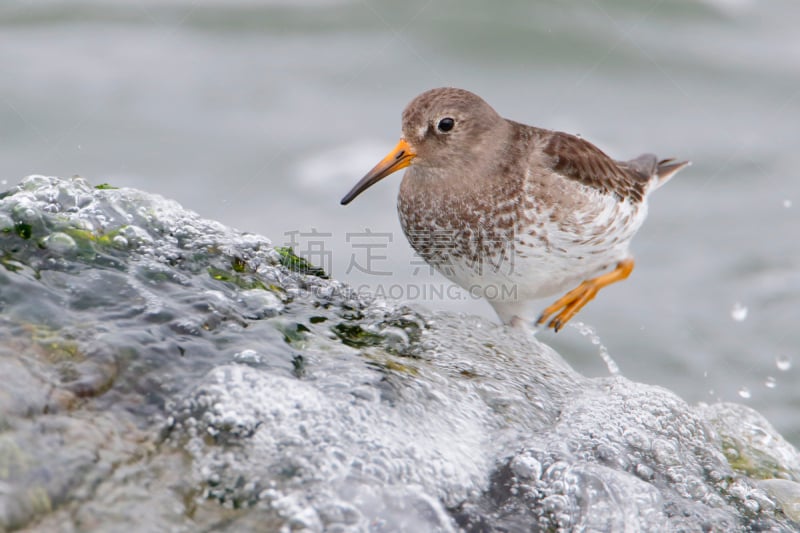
(241, 281)
(295, 263)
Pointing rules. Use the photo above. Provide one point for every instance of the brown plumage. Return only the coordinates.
(515, 212)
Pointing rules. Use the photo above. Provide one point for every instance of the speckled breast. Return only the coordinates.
(461, 235)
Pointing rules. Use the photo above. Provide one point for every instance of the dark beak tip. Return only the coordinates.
(398, 158)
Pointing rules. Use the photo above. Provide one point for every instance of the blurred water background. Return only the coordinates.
(263, 114)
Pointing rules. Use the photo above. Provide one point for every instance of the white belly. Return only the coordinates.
(558, 258)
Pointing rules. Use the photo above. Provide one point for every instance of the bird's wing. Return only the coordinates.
(580, 160)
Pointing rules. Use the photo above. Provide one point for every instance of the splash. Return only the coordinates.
(588, 331)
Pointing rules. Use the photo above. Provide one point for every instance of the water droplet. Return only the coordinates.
(588, 331)
(783, 362)
(770, 382)
(787, 204)
(739, 312)
(744, 392)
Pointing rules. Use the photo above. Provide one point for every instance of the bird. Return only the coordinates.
(511, 212)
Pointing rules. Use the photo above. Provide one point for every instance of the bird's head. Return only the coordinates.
(442, 128)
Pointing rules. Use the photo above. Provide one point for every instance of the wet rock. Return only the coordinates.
(165, 372)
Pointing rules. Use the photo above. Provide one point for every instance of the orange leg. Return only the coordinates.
(574, 300)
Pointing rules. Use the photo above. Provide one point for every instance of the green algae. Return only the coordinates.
(52, 344)
(355, 336)
(293, 332)
(10, 263)
(13, 458)
(88, 238)
(753, 462)
(246, 282)
(394, 366)
(296, 263)
(750, 444)
(239, 265)
(299, 365)
(23, 230)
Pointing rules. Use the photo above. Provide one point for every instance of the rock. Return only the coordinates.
(165, 372)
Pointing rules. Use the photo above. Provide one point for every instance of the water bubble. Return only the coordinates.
(555, 503)
(525, 467)
(752, 506)
(247, 356)
(644, 472)
(783, 362)
(787, 204)
(59, 242)
(770, 382)
(665, 452)
(745, 393)
(396, 338)
(739, 312)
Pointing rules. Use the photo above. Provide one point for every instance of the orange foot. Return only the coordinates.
(574, 300)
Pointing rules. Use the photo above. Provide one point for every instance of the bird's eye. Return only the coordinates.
(446, 124)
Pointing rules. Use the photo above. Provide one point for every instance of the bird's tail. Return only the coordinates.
(666, 168)
(649, 169)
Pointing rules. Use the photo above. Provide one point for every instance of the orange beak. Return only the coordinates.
(398, 158)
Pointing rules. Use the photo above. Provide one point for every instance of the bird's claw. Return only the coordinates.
(568, 305)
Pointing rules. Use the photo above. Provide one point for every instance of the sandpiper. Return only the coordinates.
(513, 212)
